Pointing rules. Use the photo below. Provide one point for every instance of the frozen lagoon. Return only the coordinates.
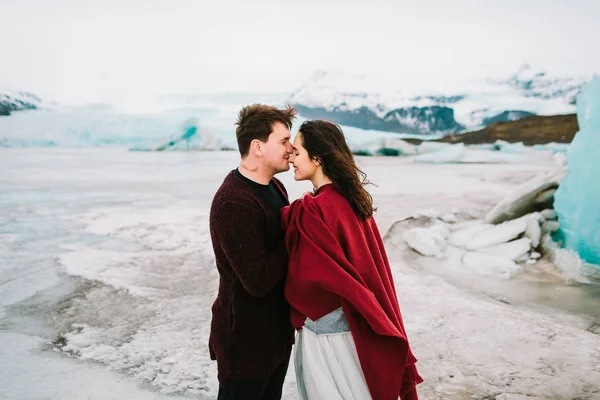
(111, 249)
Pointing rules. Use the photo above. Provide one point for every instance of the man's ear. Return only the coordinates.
(255, 147)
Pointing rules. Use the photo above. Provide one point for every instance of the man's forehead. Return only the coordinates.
(281, 131)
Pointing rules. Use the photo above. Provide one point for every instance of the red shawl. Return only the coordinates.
(338, 259)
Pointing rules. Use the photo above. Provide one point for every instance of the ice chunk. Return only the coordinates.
(518, 147)
(578, 195)
(462, 237)
(449, 154)
(430, 147)
(532, 195)
(533, 232)
(426, 241)
(566, 261)
(549, 214)
(405, 148)
(426, 213)
(491, 265)
(441, 230)
(513, 250)
(458, 153)
(550, 226)
(558, 148)
(450, 218)
(498, 234)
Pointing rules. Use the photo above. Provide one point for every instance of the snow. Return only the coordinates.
(147, 279)
(18, 99)
(472, 101)
(491, 264)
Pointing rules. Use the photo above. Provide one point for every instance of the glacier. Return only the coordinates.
(578, 196)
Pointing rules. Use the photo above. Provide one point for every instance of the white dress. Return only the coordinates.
(326, 362)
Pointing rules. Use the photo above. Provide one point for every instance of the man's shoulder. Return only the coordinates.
(233, 192)
(280, 185)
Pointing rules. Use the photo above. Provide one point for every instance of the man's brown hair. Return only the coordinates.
(256, 122)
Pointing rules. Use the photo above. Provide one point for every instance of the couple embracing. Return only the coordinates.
(313, 272)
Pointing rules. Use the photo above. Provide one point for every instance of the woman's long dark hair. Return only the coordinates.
(324, 141)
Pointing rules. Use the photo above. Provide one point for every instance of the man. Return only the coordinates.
(251, 334)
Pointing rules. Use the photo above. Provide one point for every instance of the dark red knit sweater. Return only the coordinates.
(251, 331)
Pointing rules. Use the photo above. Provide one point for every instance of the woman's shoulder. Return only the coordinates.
(329, 200)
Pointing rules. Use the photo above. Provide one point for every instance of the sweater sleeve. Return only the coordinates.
(240, 232)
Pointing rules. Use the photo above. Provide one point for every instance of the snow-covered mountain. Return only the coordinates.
(14, 101)
(376, 102)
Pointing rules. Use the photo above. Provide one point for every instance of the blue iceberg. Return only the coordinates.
(577, 200)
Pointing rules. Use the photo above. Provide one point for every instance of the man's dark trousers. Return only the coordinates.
(269, 388)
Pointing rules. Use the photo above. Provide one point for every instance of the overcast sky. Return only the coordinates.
(84, 50)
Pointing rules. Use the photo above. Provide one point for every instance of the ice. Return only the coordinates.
(554, 147)
(430, 147)
(150, 296)
(513, 250)
(462, 237)
(405, 148)
(549, 214)
(497, 234)
(491, 265)
(427, 241)
(532, 195)
(459, 153)
(533, 232)
(578, 195)
(146, 311)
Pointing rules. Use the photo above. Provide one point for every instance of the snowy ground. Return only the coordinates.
(134, 237)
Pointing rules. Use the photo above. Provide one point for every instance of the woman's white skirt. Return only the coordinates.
(327, 367)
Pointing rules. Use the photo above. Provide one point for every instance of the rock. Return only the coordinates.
(530, 130)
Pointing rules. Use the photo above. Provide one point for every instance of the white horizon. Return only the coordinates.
(86, 51)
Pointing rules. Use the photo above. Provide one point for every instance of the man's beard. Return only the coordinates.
(279, 170)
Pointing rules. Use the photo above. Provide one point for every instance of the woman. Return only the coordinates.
(351, 342)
